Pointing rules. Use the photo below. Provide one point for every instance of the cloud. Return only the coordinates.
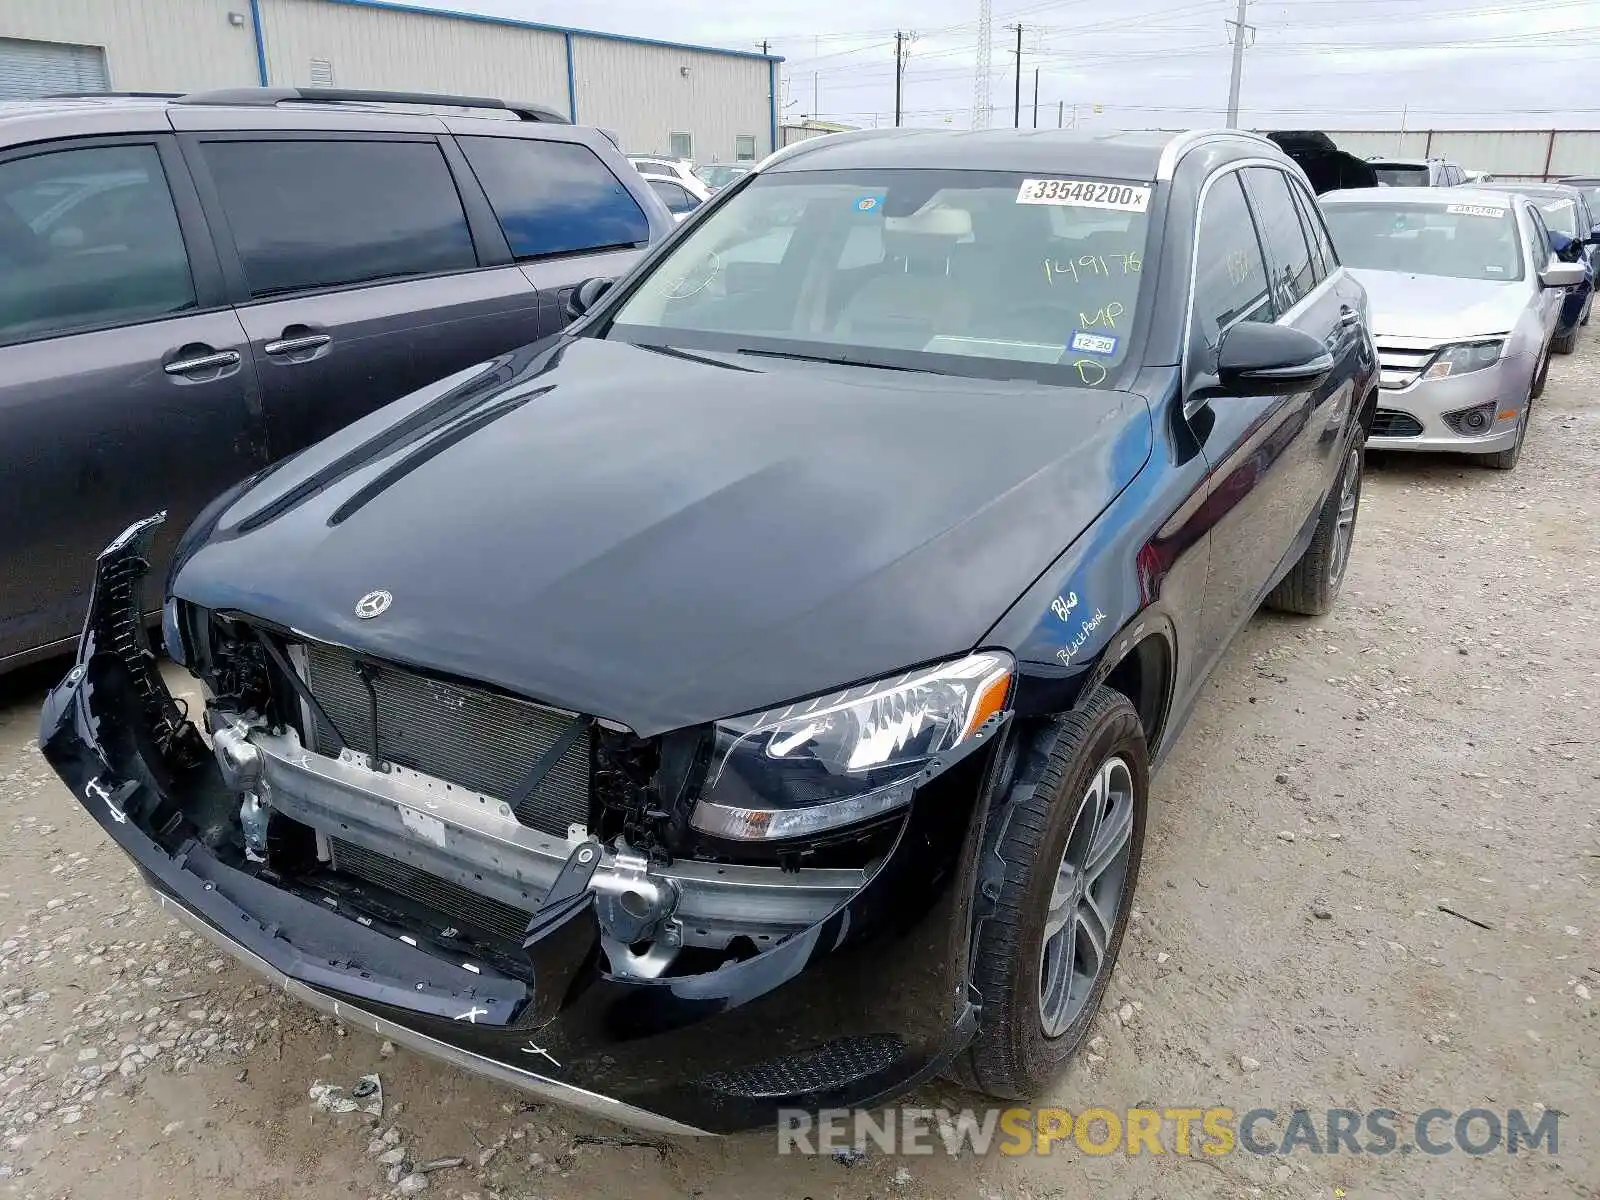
(1155, 63)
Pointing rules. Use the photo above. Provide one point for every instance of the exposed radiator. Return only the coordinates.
(471, 737)
(464, 908)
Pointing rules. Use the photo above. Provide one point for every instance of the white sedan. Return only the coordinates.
(681, 196)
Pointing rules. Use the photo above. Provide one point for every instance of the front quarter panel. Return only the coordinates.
(1138, 571)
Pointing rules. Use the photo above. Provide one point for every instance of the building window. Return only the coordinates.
(681, 146)
(744, 147)
(321, 73)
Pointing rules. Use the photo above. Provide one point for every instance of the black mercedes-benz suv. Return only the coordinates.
(747, 698)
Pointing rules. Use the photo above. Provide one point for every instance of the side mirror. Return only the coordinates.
(585, 296)
(1561, 274)
(1256, 358)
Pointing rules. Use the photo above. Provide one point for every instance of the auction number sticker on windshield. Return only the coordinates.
(1084, 193)
(1473, 210)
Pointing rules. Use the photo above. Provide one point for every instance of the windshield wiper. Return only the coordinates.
(841, 360)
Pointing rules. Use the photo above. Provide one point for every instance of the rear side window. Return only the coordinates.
(88, 238)
(554, 197)
(1282, 235)
(1317, 231)
(1230, 283)
(317, 214)
(674, 195)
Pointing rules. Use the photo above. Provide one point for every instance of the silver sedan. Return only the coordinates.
(1465, 295)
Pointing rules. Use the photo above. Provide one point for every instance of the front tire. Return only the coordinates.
(1070, 844)
(1540, 376)
(1312, 584)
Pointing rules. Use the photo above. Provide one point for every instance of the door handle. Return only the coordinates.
(202, 362)
(294, 345)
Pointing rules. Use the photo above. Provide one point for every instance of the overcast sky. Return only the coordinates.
(1333, 64)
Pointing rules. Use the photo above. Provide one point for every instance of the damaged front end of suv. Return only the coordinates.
(685, 932)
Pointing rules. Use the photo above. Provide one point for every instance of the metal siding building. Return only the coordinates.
(147, 45)
(406, 51)
(647, 93)
(641, 89)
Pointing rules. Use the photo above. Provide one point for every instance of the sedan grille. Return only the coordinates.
(1388, 422)
(467, 736)
(1401, 367)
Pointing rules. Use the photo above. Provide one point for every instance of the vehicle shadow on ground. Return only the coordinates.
(1443, 470)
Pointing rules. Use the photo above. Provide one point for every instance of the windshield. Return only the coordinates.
(1397, 176)
(983, 273)
(720, 175)
(1461, 241)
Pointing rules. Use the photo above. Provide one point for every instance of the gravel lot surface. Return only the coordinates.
(1431, 743)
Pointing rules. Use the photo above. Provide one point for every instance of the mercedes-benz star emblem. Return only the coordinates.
(373, 604)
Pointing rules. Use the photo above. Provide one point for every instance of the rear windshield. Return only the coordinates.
(979, 272)
(1462, 241)
(1398, 176)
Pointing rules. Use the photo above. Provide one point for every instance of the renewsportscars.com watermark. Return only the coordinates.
(1181, 1131)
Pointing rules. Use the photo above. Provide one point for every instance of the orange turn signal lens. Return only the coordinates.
(990, 699)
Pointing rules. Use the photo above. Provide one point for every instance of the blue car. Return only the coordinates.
(1573, 237)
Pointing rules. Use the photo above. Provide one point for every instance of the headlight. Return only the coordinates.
(836, 760)
(1468, 356)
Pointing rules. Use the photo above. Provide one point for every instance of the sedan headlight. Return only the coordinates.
(1467, 356)
(833, 761)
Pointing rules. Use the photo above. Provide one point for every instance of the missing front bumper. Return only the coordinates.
(861, 993)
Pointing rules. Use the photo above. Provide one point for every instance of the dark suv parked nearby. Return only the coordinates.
(748, 698)
(192, 287)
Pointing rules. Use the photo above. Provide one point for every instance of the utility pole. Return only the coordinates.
(899, 73)
(1240, 32)
(816, 92)
(1036, 97)
(1016, 104)
(1061, 113)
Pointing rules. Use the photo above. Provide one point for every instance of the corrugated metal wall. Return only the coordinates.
(638, 90)
(402, 51)
(642, 92)
(151, 45)
(1508, 153)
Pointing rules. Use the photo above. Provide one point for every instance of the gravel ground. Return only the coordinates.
(1431, 743)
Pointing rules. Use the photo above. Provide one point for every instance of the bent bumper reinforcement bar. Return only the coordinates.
(476, 842)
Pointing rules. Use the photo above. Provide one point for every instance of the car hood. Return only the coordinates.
(662, 539)
(1438, 308)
